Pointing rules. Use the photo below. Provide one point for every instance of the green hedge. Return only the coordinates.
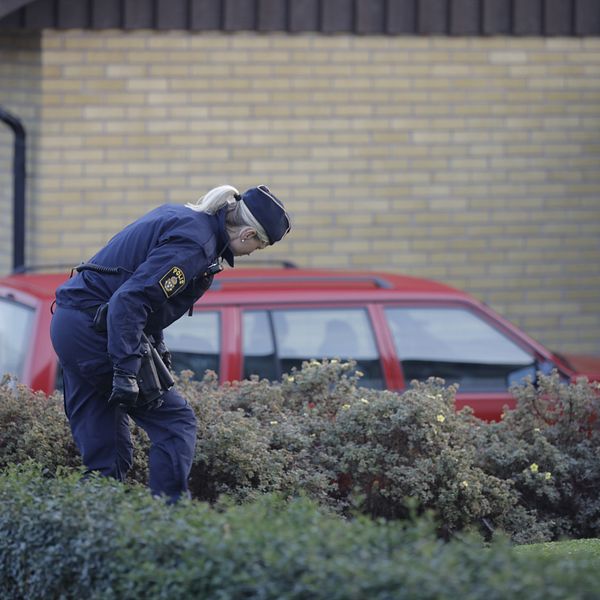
(535, 474)
(61, 538)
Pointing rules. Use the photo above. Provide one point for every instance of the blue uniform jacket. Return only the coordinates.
(163, 258)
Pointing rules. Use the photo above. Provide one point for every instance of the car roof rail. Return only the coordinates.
(379, 282)
(286, 264)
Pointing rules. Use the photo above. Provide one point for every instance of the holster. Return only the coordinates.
(147, 377)
(154, 379)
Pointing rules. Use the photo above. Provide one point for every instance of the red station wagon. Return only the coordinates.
(266, 321)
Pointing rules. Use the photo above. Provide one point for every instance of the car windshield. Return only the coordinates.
(15, 329)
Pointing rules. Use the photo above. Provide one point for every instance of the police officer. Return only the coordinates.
(146, 277)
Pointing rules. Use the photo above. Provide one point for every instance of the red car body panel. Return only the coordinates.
(234, 291)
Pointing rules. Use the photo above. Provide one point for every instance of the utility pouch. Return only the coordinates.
(164, 375)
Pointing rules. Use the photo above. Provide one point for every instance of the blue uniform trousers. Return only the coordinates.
(102, 432)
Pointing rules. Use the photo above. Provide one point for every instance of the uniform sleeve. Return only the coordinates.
(166, 272)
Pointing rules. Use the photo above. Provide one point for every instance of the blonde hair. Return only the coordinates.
(238, 214)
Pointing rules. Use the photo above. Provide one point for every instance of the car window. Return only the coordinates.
(195, 342)
(276, 341)
(15, 331)
(457, 345)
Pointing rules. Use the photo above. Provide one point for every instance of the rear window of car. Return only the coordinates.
(458, 346)
(195, 342)
(275, 341)
(16, 322)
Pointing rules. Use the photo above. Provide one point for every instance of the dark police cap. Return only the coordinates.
(268, 211)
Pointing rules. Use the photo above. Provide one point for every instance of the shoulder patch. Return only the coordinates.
(172, 281)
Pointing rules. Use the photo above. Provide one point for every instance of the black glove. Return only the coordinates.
(125, 389)
(164, 353)
(144, 404)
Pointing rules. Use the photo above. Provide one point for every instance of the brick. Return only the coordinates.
(80, 71)
(62, 141)
(306, 246)
(61, 85)
(81, 183)
(351, 247)
(104, 169)
(65, 198)
(107, 56)
(61, 58)
(209, 153)
(366, 261)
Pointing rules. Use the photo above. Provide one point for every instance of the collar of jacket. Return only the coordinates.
(223, 238)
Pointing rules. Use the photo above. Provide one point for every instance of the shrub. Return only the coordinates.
(255, 436)
(233, 454)
(548, 447)
(351, 449)
(34, 426)
(103, 540)
(399, 450)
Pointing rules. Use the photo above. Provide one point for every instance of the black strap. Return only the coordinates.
(99, 269)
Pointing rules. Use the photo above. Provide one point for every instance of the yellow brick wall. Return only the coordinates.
(471, 161)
